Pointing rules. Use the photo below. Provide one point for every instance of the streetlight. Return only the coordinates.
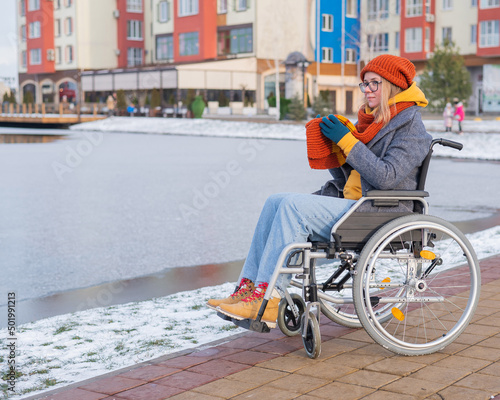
(298, 60)
(303, 65)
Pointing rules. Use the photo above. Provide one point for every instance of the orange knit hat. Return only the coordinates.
(397, 70)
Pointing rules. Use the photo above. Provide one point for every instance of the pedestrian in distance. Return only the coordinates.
(111, 105)
(459, 114)
(383, 151)
(448, 114)
(131, 109)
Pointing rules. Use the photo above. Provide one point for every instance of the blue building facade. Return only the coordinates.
(334, 35)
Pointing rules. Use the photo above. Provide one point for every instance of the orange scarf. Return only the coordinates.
(367, 128)
(322, 153)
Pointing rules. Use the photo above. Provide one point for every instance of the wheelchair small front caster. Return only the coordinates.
(311, 337)
(289, 319)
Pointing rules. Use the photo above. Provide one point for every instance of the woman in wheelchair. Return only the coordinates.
(383, 151)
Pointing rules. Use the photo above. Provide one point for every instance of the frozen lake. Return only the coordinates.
(96, 208)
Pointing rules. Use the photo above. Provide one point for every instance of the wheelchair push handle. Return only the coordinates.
(447, 143)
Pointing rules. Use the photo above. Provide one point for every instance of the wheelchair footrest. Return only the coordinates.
(224, 316)
(250, 324)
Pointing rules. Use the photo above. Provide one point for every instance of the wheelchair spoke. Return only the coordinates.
(428, 296)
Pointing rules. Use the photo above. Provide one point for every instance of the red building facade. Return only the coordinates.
(417, 30)
(488, 36)
(39, 30)
(130, 27)
(195, 34)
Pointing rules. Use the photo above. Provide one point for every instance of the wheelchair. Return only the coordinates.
(411, 280)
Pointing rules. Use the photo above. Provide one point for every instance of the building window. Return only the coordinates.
(235, 41)
(34, 5)
(163, 11)
(473, 34)
(24, 59)
(414, 8)
(69, 3)
(69, 54)
(221, 6)
(241, 5)
(396, 41)
(473, 3)
(446, 33)
(188, 7)
(351, 9)
(488, 35)
(35, 30)
(134, 56)
(68, 26)
(23, 8)
(164, 48)
(350, 56)
(23, 33)
(413, 40)
(398, 7)
(379, 43)
(134, 30)
(327, 23)
(35, 57)
(378, 9)
(57, 4)
(189, 44)
(134, 6)
(58, 55)
(447, 4)
(490, 3)
(326, 54)
(427, 41)
(241, 40)
(57, 27)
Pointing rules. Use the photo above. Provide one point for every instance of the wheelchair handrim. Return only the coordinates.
(459, 325)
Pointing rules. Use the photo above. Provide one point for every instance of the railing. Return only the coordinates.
(40, 110)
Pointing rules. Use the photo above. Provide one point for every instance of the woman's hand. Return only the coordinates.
(333, 129)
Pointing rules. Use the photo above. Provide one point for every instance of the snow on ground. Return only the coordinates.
(61, 350)
(478, 141)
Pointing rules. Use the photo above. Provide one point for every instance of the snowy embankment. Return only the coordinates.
(61, 350)
(478, 140)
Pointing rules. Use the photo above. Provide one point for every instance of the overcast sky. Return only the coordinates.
(8, 47)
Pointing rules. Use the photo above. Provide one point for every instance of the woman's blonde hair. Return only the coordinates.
(383, 112)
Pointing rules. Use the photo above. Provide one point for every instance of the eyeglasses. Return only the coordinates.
(373, 85)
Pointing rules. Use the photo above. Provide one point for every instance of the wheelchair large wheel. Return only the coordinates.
(424, 274)
(288, 319)
(311, 336)
(343, 314)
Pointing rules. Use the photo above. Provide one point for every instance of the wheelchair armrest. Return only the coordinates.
(391, 198)
(396, 193)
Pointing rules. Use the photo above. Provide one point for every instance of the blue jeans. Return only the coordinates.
(288, 218)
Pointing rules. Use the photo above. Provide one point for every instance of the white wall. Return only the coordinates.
(96, 34)
(293, 34)
(390, 25)
(65, 40)
(158, 28)
(460, 18)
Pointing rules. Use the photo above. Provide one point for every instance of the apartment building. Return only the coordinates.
(57, 40)
(223, 49)
(412, 29)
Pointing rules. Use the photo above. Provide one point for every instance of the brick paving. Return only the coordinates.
(351, 366)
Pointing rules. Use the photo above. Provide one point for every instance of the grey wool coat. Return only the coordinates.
(390, 161)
